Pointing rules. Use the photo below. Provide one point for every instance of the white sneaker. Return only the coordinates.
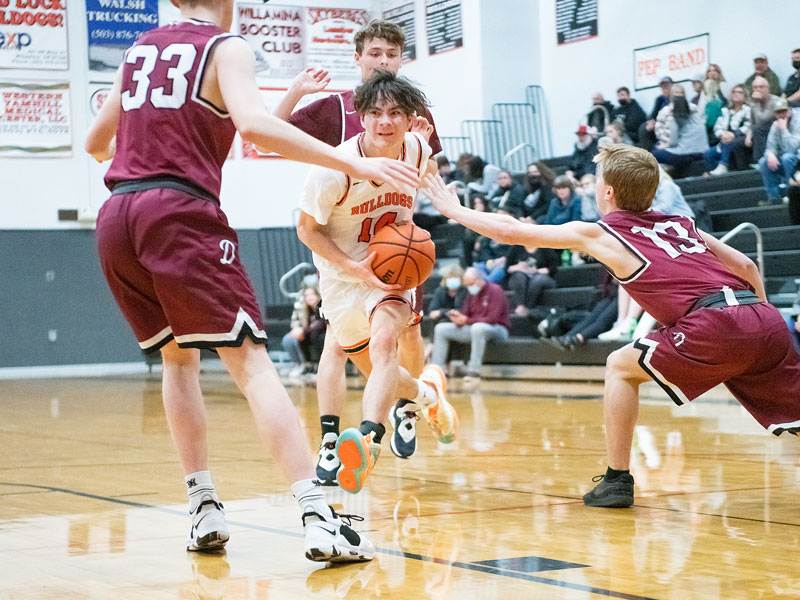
(209, 533)
(329, 538)
(720, 169)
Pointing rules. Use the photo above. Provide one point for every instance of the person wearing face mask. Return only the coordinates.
(539, 180)
(600, 114)
(484, 318)
(450, 294)
(792, 89)
(509, 195)
(682, 135)
(629, 113)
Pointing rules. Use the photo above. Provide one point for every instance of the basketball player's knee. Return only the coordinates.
(621, 363)
(382, 345)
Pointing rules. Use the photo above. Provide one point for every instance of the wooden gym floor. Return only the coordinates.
(92, 501)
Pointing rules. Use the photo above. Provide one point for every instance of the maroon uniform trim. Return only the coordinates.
(347, 184)
(631, 250)
(201, 74)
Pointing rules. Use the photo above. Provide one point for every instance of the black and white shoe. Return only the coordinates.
(327, 460)
(209, 532)
(617, 493)
(404, 420)
(329, 538)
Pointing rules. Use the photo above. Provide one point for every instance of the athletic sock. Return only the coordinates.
(376, 429)
(329, 424)
(310, 497)
(426, 395)
(613, 474)
(196, 485)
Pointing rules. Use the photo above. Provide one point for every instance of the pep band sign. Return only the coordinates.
(33, 34)
(678, 59)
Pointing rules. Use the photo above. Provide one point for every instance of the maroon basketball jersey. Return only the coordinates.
(677, 265)
(166, 128)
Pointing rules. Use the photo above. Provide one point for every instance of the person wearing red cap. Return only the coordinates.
(585, 149)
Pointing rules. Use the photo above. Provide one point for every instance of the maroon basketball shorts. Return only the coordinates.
(172, 263)
(746, 347)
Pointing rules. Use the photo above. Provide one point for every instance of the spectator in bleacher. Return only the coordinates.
(509, 195)
(600, 114)
(462, 168)
(683, 137)
(482, 177)
(614, 134)
(714, 71)
(489, 257)
(599, 319)
(566, 206)
(445, 168)
(484, 318)
(780, 158)
(647, 133)
(585, 150)
(470, 240)
(761, 69)
(306, 337)
(762, 107)
(530, 272)
(697, 85)
(791, 90)
(712, 102)
(669, 198)
(588, 195)
(539, 180)
(450, 294)
(731, 130)
(630, 113)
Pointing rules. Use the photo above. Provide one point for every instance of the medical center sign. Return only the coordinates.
(678, 59)
(33, 34)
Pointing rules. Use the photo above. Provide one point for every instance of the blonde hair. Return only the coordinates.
(451, 270)
(632, 172)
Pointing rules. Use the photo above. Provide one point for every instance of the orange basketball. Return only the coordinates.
(404, 255)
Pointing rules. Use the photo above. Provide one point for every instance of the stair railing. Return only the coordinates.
(759, 242)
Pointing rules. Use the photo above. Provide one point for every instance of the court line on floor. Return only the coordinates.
(409, 555)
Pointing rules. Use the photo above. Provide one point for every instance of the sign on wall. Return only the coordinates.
(32, 36)
(329, 35)
(113, 26)
(403, 17)
(678, 59)
(276, 35)
(443, 25)
(35, 120)
(576, 20)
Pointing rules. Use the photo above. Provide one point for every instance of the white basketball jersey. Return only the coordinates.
(352, 210)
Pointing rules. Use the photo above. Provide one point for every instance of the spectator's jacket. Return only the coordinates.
(510, 199)
(487, 306)
(738, 122)
(443, 301)
(659, 104)
(692, 139)
(763, 114)
(772, 80)
(559, 213)
(669, 199)
(663, 129)
(581, 162)
(632, 116)
(792, 84)
(785, 141)
(600, 115)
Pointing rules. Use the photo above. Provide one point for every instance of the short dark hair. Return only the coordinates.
(442, 160)
(386, 86)
(623, 89)
(383, 30)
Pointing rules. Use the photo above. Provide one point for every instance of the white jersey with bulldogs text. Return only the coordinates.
(352, 210)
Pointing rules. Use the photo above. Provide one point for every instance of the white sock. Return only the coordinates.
(426, 395)
(310, 497)
(196, 484)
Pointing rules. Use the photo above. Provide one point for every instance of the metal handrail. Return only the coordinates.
(285, 277)
(759, 242)
(513, 151)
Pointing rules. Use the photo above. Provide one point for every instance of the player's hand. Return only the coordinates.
(421, 126)
(444, 199)
(311, 81)
(385, 170)
(363, 270)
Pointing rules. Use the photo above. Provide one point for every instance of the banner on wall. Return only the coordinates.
(35, 120)
(112, 26)
(576, 20)
(33, 34)
(678, 59)
(276, 35)
(403, 17)
(443, 25)
(329, 41)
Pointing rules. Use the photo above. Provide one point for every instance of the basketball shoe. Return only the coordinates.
(617, 493)
(404, 420)
(330, 538)
(357, 454)
(441, 416)
(209, 532)
(327, 461)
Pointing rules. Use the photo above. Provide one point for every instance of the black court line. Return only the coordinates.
(459, 565)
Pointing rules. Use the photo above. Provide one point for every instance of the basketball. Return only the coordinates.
(404, 255)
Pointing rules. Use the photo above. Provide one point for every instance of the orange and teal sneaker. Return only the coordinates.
(357, 454)
(441, 416)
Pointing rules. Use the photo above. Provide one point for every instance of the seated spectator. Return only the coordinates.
(585, 150)
(304, 341)
(509, 195)
(470, 239)
(450, 294)
(566, 206)
(647, 134)
(600, 114)
(629, 113)
(762, 107)
(588, 195)
(731, 129)
(712, 102)
(484, 318)
(482, 177)
(490, 257)
(697, 85)
(761, 69)
(445, 168)
(628, 312)
(682, 136)
(780, 158)
(791, 90)
(599, 319)
(614, 134)
(713, 71)
(539, 180)
(669, 198)
(530, 272)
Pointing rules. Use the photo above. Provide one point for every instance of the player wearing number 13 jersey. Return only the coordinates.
(710, 299)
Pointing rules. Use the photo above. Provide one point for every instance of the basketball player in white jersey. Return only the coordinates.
(339, 216)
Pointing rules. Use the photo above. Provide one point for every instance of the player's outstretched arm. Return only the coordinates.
(737, 263)
(235, 69)
(101, 138)
(306, 82)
